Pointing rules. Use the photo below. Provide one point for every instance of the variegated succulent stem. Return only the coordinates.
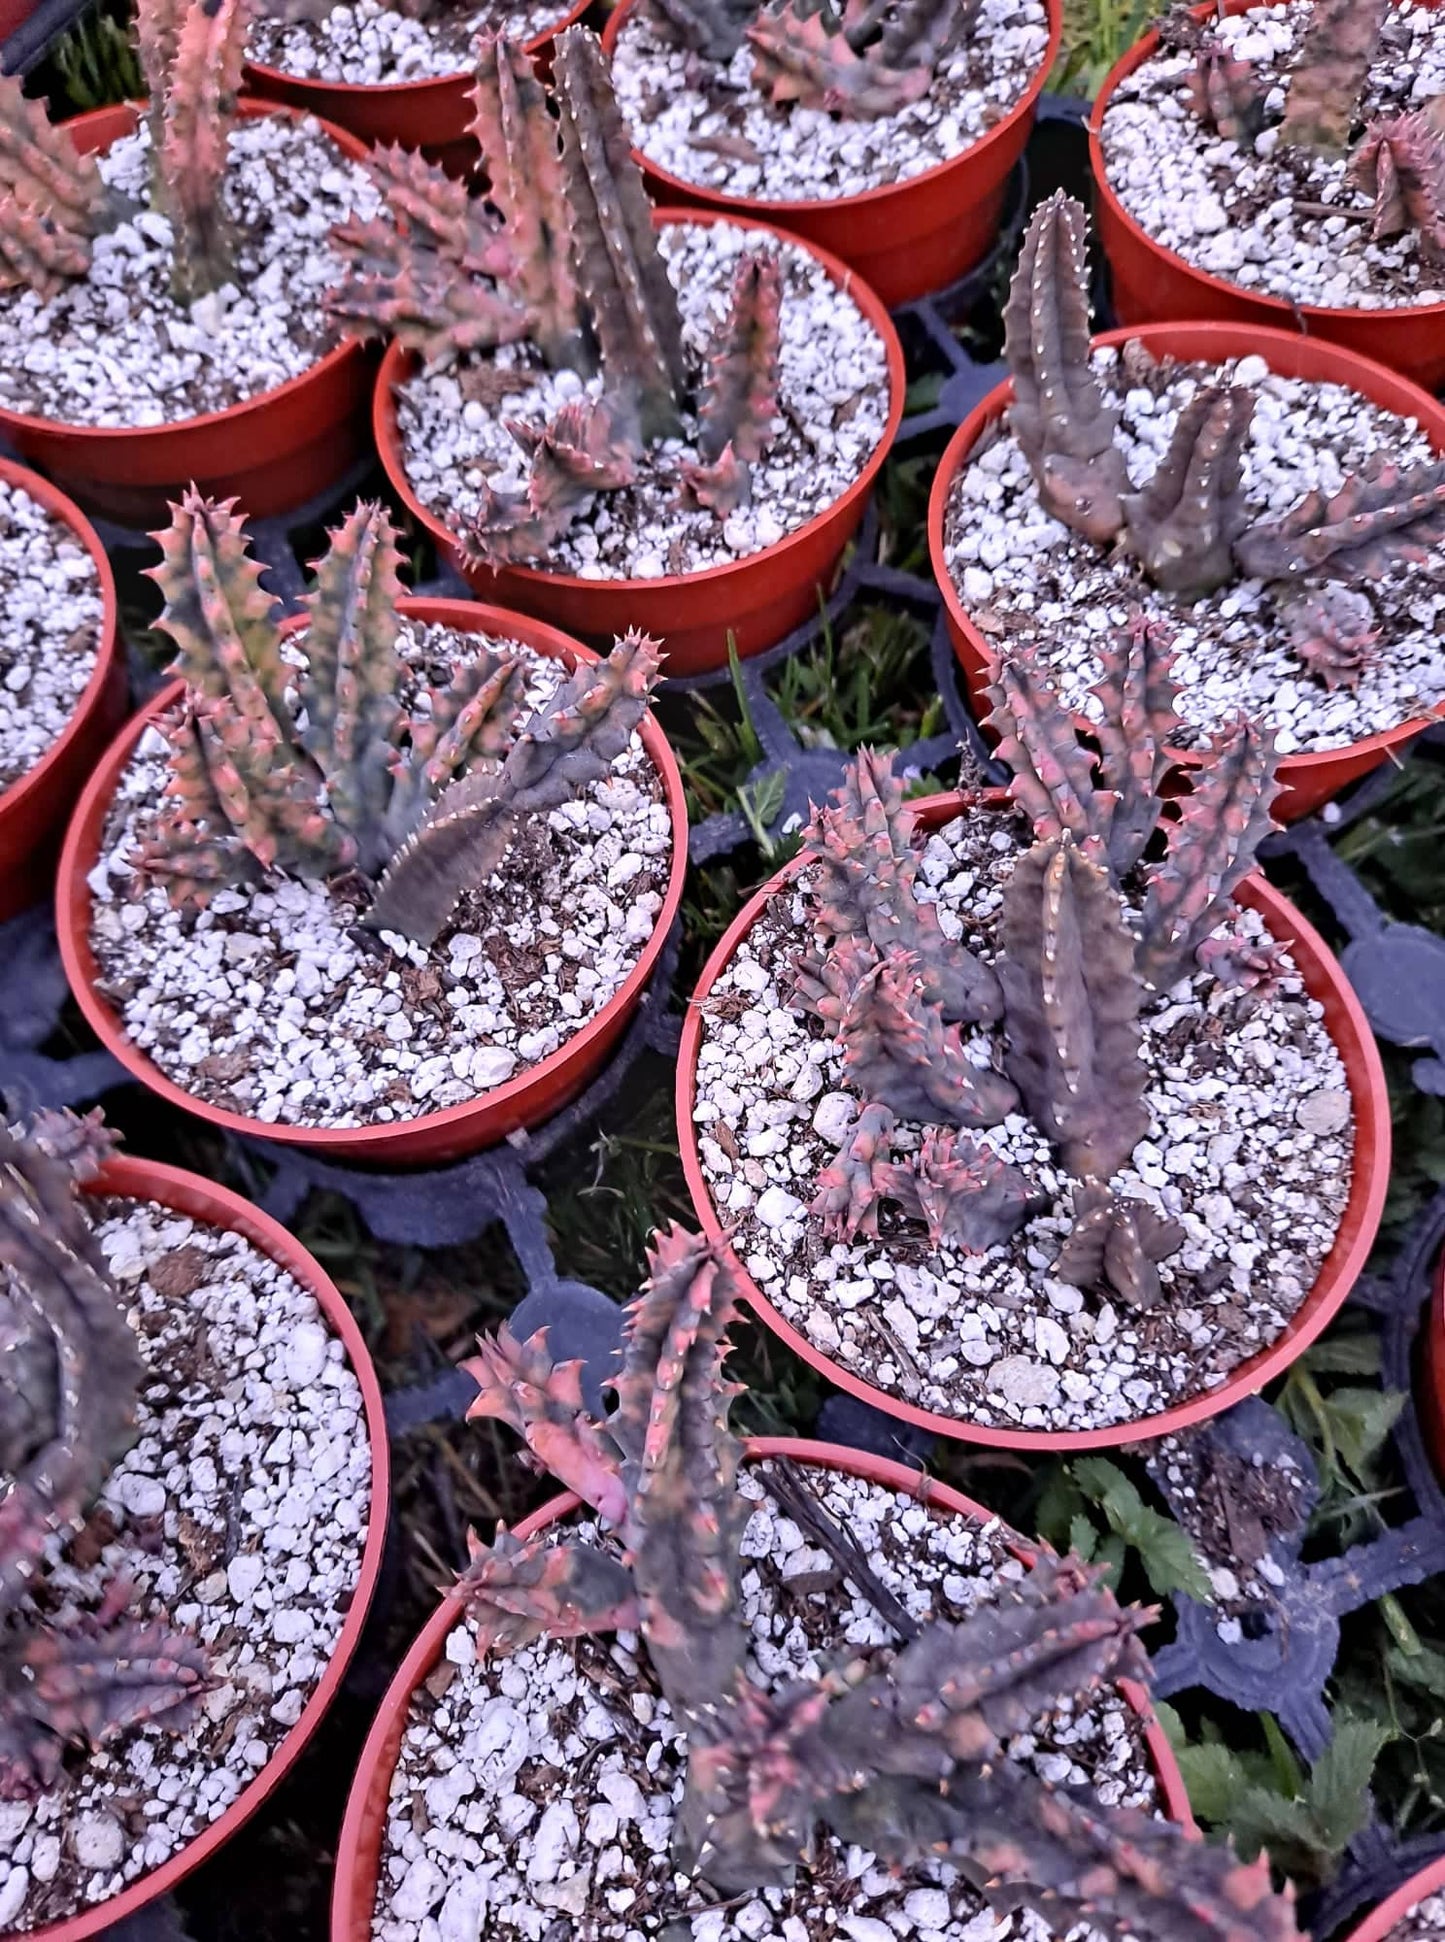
(1071, 1007)
(200, 111)
(1182, 525)
(566, 744)
(514, 1592)
(897, 1050)
(465, 725)
(42, 170)
(518, 140)
(348, 689)
(520, 1385)
(1058, 414)
(64, 1299)
(1138, 718)
(1379, 517)
(620, 272)
(1051, 774)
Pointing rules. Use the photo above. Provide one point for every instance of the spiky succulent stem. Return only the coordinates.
(897, 1050)
(1380, 517)
(520, 1385)
(1182, 525)
(202, 92)
(1329, 73)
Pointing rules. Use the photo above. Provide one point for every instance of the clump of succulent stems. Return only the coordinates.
(566, 259)
(1396, 161)
(53, 203)
(901, 1750)
(318, 771)
(1188, 529)
(862, 60)
(1072, 968)
(71, 1383)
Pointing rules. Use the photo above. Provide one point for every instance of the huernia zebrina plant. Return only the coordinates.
(1189, 528)
(1397, 161)
(568, 262)
(318, 771)
(902, 1751)
(53, 203)
(71, 1382)
(1072, 969)
(860, 60)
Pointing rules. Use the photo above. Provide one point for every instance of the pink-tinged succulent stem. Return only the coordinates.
(515, 1592)
(1332, 630)
(968, 1197)
(1138, 717)
(395, 284)
(569, 742)
(1380, 517)
(1052, 776)
(854, 1184)
(1116, 1243)
(520, 1385)
(1058, 415)
(863, 882)
(1401, 166)
(1222, 822)
(897, 1050)
(36, 253)
(1227, 95)
(43, 170)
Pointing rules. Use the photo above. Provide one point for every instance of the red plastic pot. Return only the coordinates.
(433, 115)
(1430, 1372)
(1376, 1927)
(358, 1857)
(758, 601)
(1155, 285)
(1309, 779)
(1350, 1031)
(203, 1200)
(14, 14)
(34, 808)
(905, 238)
(525, 1101)
(274, 452)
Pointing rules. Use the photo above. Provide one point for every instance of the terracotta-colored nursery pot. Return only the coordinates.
(203, 1200)
(433, 115)
(1155, 285)
(1376, 1926)
(34, 808)
(14, 14)
(1430, 1372)
(275, 451)
(1309, 779)
(758, 600)
(905, 238)
(525, 1101)
(358, 1858)
(1324, 980)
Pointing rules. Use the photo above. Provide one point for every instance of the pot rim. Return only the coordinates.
(206, 1201)
(15, 799)
(1242, 340)
(399, 364)
(424, 84)
(1370, 1174)
(391, 1138)
(1377, 1925)
(1286, 309)
(358, 1853)
(778, 211)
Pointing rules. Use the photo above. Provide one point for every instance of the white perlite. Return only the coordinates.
(705, 123)
(1237, 214)
(370, 44)
(833, 403)
(544, 1784)
(1023, 576)
(50, 616)
(266, 1002)
(240, 1515)
(115, 348)
(994, 1338)
(1426, 1918)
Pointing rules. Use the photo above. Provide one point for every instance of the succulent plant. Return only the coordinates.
(901, 1751)
(53, 203)
(318, 771)
(67, 1414)
(1400, 165)
(1071, 971)
(1189, 526)
(1329, 72)
(570, 264)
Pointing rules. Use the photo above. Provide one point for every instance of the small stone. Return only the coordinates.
(777, 1206)
(1025, 1384)
(98, 1841)
(243, 1574)
(141, 1496)
(1325, 1111)
(306, 1353)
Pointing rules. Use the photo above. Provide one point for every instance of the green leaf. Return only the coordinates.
(1338, 1791)
(1083, 1538)
(1215, 1780)
(1169, 1559)
(1424, 1668)
(1345, 1355)
(1360, 1420)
